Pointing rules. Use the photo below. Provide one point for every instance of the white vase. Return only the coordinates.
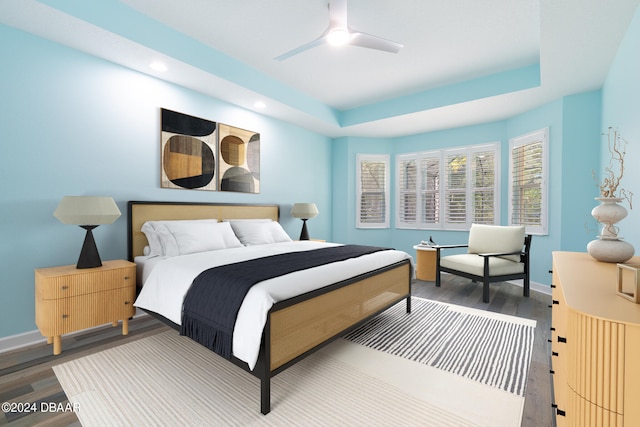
(609, 247)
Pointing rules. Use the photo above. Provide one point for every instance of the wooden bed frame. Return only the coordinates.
(298, 326)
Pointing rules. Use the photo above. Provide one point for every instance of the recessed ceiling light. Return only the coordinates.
(158, 66)
(259, 104)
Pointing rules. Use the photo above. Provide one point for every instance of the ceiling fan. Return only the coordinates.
(339, 33)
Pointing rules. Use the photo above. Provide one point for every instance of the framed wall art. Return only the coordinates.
(188, 152)
(239, 159)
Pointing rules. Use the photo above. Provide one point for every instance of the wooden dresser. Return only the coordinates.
(595, 345)
(69, 299)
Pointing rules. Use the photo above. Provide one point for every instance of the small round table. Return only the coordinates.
(425, 263)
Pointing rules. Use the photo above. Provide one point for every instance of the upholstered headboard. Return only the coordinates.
(140, 212)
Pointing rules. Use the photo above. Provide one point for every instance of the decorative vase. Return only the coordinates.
(609, 247)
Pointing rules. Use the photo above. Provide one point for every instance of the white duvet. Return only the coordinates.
(165, 287)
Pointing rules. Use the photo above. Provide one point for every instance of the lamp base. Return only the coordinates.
(304, 234)
(89, 257)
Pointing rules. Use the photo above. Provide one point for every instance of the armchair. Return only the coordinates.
(495, 254)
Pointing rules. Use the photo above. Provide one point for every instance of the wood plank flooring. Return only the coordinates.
(26, 375)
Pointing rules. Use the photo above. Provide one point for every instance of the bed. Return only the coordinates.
(295, 323)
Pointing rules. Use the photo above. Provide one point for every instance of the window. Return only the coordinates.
(407, 189)
(430, 189)
(468, 193)
(372, 175)
(455, 192)
(528, 187)
(483, 186)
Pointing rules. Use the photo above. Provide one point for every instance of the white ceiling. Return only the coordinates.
(446, 43)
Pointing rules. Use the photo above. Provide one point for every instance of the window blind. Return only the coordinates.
(528, 181)
(407, 202)
(448, 189)
(373, 200)
(483, 187)
(527, 184)
(430, 189)
(456, 189)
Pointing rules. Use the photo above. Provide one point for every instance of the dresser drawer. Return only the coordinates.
(64, 282)
(57, 317)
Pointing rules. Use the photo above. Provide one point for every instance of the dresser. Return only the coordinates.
(595, 333)
(69, 299)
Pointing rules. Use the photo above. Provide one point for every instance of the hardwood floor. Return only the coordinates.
(26, 375)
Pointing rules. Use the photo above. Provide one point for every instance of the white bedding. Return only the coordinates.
(167, 280)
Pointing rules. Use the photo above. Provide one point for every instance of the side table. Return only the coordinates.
(425, 263)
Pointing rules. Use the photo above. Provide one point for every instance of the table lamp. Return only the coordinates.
(304, 211)
(88, 212)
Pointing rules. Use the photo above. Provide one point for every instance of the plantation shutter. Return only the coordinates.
(430, 189)
(528, 182)
(483, 186)
(407, 191)
(373, 201)
(456, 190)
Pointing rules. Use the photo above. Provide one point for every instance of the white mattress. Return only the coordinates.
(166, 281)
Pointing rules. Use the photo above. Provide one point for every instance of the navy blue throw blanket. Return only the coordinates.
(212, 303)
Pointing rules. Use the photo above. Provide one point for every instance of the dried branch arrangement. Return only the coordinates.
(610, 186)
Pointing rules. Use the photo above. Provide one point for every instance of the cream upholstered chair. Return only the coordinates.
(495, 254)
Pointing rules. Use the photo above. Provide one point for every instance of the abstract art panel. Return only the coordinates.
(188, 152)
(239, 159)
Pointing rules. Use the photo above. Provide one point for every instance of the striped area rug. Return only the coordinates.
(487, 347)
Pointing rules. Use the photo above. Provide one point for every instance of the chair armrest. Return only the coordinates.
(449, 246)
(501, 254)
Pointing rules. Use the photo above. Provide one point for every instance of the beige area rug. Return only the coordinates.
(169, 380)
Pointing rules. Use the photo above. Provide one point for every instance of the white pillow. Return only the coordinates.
(496, 239)
(191, 236)
(153, 237)
(258, 232)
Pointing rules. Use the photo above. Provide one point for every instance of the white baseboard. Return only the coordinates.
(535, 286)
(540, 287)
(27, 339)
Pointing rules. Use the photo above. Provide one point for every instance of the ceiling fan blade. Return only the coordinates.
(374, 42)
(338, 14)
(302, 48)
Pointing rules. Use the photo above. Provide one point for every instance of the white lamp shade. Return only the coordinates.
(304, 210)
(87, 210)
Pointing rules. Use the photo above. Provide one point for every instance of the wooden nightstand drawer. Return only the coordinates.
(68, 281)
(69, 299)
(57, 317)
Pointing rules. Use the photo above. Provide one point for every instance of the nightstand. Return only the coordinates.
(69, 299)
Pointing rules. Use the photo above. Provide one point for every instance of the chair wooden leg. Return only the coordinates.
(525, 287)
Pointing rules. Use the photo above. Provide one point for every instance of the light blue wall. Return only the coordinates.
(73, 124)
(581, 130)
(621, 109)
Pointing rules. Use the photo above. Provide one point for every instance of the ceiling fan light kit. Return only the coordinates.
(339, 33)
(338, 37)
